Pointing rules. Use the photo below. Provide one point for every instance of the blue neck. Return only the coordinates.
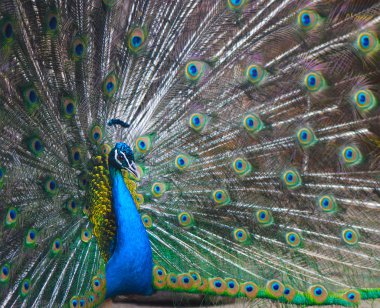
(129, 270)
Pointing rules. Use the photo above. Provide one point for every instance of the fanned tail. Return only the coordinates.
(254, 124)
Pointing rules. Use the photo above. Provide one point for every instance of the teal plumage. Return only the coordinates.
(243, 135)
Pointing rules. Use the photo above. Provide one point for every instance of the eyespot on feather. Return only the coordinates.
(217, 285)
(194, 70)
(327, 203)
(35, 146)
(147, 221)
(255, 74)
(7, 31)
(185, 220)
(185, 282)
(158, 189)
(264, 217)
(52, 22)
(314, 82)
(233, 286)
(364, 100)
(249, 289)
(96, 134)
(136, 39)
(25, 287)
(68, 107)
(56, 246)
(241, 166)
(236, 5)
(159, 271)
(78, 49)
(196, 277)
(105, 149)
(275, 288)
(306, 137)
(5, 273)
(198, 121)
(110, 85)
(292, 179)
(220, 197)
(352, 296)
(172, 281)
(318, 293)
(98, 283)
(75, 155)
(293, 239)
(308, 20)
(351, 156)
(252, 123)
(11, 217)
(86, 235)
(31, 238)
(144, 144)
(31, 99)
(241, 235)
(140, 198)
(350, 236)
(289, 293)
(182, 162)
(367, 42)
(83, 180)
(51, 187)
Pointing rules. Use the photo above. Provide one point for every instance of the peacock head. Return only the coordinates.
(121, 157)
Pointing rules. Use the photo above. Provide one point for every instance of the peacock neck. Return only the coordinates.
(129, 270)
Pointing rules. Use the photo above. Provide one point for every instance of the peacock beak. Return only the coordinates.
(133, 169)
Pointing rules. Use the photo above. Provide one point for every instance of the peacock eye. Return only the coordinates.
(120, 157)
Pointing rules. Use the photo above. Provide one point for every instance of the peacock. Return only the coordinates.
(218, 147)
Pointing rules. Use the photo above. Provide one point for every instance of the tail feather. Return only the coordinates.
(261, 126)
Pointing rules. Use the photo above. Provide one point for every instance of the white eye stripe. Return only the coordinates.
(131, 165)
(116, 154)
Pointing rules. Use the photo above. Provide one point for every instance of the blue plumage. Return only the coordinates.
(129, 271)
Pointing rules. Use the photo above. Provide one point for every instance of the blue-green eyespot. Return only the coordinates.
(221, 197)
(197, 121)
(194, 70)
(292, 179)
(365, 100)
(255, 74)
(241, 166)
(306, 137)
(327, 203)
(252, 123)
(367, 42)
(314, 82)
(351, 156)
(308, 19)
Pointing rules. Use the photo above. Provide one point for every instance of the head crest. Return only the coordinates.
(114, 122)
